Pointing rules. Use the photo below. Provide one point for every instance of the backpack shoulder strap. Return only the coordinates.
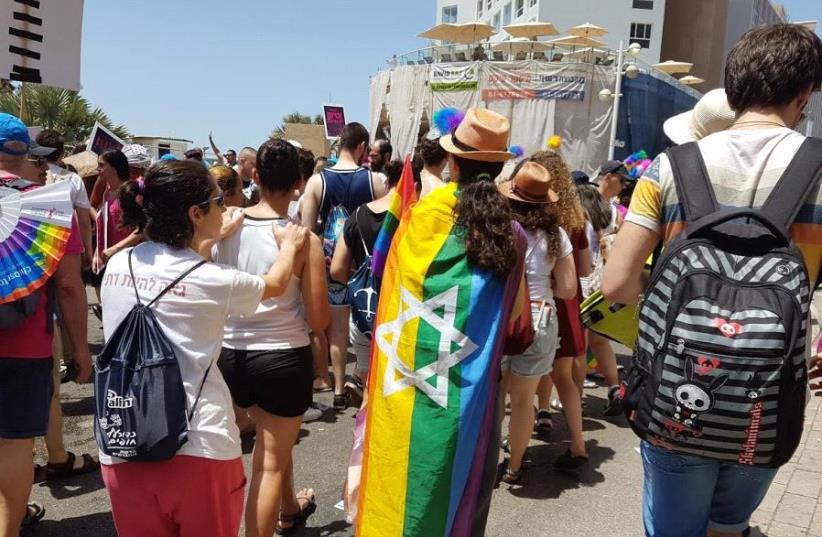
(693, 186)
(796, 184)
(175, 282)
(359, 230)
(131, 274)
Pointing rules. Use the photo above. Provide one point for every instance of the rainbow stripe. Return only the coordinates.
(404, 197)
(29, 257)
(432, 388)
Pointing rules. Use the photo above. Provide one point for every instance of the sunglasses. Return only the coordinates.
(219, 200)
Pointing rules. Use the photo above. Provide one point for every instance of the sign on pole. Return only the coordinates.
(102, 140)
(40, 42)
(334, 117)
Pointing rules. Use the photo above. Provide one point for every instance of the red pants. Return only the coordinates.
(184, 496)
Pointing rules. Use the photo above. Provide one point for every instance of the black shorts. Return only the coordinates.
(26, 387)
(278, 381)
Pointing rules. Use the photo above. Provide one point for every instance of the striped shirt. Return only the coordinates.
(744, 166)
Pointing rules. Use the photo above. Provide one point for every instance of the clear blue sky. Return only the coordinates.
(183, 67)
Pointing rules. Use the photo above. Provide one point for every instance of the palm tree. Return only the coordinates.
(55, 108)
(295, 117)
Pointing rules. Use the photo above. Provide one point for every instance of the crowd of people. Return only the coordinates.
(260, 272)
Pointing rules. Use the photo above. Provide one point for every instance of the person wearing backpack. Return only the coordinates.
(266, 357)
(164, 423)
(354, 253)
(330, 197)
(718, 382)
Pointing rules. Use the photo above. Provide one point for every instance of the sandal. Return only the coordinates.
(298, 519)
(34, 514)
(57, 471)
(570, 462)
(322, 386)
(342, 401)
(512, 476)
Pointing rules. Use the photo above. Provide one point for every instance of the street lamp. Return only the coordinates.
(631, 71)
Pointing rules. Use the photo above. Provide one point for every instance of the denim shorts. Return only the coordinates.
(538, 359)
(684, 495)
(26, 387)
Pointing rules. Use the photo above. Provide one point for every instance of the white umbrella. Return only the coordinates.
(691, 80)
(444, 32)
(516, 46)
(471, 32)
(531, 30)
(576, 41)
(585, 52)
(672, 67)
(588, 30)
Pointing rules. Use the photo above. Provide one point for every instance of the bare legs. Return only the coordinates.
(16, 476)
(606, 358)
(521, 390)
(338, 345)
(569, 394)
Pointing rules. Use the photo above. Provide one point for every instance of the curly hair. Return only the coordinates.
(535, 218)
(568, 210)
(483, 217)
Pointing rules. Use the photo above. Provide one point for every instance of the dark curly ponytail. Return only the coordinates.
(484, 217)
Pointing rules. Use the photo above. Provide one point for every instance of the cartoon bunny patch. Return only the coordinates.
(694, 398)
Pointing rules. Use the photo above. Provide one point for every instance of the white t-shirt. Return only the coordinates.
(79, 196)
(539, 266)
(191, 316)
(279, 322)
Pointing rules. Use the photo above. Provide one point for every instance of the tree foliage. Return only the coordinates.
(296, 117)
(55, 108)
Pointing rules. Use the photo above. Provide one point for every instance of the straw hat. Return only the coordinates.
(482, 135)
(710, 114)
(530, 185)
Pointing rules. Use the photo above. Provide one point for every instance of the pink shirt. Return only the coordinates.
(109, 232)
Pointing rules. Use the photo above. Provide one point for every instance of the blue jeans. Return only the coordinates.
(684, 495)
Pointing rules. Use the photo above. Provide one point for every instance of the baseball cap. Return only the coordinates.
(711, 114)
(168, 156)
(14, 132)
(137, 156)
(580, 177)
(615, 166)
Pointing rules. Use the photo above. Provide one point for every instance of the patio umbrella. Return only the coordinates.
(574, 41)
(672, 67)
(516, 46)
(531, 30)
(691, 80)
(588, 30)
(443, 32)
(471, 32)
(586, 52)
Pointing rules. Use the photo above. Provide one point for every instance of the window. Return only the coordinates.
(496, 21)
(532, 3)
(520, 8)
(480, 3)
(643, 4)
(506, 14)
(640, 33)
(449, 14)
(487, 5)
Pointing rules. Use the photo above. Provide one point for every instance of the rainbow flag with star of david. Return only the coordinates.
(432, 389)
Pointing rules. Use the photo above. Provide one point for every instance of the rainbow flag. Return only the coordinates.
(404, 196)
(432, 389)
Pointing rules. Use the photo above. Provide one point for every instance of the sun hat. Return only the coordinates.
(137, 156)
(14, 132)
(711, 114)
(530, 185)
(482, 135)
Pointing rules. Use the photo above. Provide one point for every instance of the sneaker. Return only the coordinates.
(614, 405)
(354, 389)
(543, 424)
(341, 401)
(313, 413)
(570, 462)
(556, 405)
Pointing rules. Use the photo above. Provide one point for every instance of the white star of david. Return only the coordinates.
(388, 340)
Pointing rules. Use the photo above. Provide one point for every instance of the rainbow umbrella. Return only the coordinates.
(34, 230)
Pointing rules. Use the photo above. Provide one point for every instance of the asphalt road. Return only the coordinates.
(604, 500)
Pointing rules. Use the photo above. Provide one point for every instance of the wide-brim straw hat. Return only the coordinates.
(711, 114)
(530, 185)
(482, 135)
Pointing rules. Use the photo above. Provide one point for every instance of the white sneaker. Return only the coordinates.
(312, 414)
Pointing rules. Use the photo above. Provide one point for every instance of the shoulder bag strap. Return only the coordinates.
(795, 185)
(693, 186)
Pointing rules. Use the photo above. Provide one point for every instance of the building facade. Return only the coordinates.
(160, 145)
(704, 31)
(632, 21)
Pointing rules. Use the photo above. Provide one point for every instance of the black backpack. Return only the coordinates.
(719, 369)
(363, 290)
(141, 410)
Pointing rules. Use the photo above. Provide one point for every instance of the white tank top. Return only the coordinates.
(278, 323)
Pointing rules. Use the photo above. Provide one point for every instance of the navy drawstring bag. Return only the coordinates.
(140, 412)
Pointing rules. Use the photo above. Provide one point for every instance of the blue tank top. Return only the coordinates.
(348, 188)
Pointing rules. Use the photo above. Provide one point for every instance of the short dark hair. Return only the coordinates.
(169, 189)
(772, 65)
(195, 153)
(225, 176)
(353, 134)
(393, 172)
(432, 152)
(278, 165)
(307, 162)
(52, 138)
(384, 147)
(117, 160)
(231, 151)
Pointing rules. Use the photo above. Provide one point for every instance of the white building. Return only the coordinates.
(161, 145)
(637, 21)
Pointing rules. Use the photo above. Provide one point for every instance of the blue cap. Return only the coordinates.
(168, 156)
(14, 130)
